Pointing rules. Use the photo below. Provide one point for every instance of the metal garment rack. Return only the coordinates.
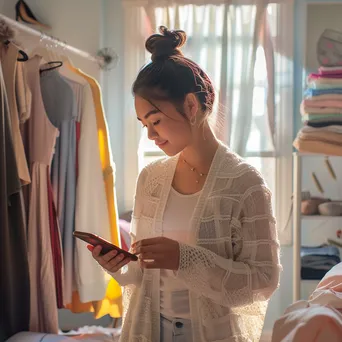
(297, 220)
(54, 42)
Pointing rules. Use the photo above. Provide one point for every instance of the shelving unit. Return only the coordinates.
(297, 221)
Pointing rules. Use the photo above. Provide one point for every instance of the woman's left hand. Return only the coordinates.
(159, 252)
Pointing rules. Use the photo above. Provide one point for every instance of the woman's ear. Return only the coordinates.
(191, 106)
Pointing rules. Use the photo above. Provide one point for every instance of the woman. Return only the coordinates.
(202, 221)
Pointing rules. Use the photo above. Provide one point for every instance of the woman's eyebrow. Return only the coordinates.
(151, 112)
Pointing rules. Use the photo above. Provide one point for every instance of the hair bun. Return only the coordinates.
(165, 44)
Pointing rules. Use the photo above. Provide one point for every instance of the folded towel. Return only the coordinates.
(315, 92)
(304, 110)
(317, 85)
(328, 129)
(308, 273)
(323, 123)
(324, 80)
(317, 261)
(323, 103)
(329, 137)
(321, 117)
(323, 250)
(317, 147)
(337, 97)
(320, 262)
(330, 70)
(330, 76)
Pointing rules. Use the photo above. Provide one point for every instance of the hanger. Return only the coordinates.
(59, 64)
(24, 57)
(48, 57)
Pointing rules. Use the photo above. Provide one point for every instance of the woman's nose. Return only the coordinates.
(152, 134)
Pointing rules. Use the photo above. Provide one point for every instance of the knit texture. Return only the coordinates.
(232, 269)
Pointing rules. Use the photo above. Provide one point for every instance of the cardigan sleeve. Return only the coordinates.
(131, 274)
(253, 273)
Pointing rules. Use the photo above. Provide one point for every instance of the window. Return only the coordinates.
(268, 146)
(260, 140)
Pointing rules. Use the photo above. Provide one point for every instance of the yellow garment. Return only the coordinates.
(112, 303)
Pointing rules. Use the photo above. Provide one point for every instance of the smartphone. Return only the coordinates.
(96, 240)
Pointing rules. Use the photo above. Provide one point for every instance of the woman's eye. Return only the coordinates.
(156, 123)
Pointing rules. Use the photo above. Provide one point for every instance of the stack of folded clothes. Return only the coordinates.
(321, 112)
(317, 261)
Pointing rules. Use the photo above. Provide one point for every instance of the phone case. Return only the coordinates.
(95, 240)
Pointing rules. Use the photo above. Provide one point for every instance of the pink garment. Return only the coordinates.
(322, 103)
(317, 320)
(40, 138)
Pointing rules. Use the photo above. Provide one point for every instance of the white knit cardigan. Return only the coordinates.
(232, 269)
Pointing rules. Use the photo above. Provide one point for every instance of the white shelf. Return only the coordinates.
(299, 219)
(301, 154)
(320, 217)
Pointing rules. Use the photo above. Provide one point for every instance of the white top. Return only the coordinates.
(231, 270)
(91, 212)
(174, 295)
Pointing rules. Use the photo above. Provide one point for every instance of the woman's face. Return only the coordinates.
(169, 129)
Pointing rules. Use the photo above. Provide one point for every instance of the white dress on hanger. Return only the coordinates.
(91, 202)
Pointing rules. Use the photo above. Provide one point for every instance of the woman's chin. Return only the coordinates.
(170, 152)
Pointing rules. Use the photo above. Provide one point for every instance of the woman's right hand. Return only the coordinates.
(112, 261)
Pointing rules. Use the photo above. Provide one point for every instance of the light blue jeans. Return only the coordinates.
(175, 330)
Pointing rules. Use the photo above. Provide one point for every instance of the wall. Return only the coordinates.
(77, 22)
(320, 17)
(113, 16)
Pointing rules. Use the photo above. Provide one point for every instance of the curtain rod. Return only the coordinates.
(106, 58)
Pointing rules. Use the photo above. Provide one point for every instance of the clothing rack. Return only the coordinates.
(105, 58)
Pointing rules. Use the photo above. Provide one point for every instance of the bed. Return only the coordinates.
(318, 319)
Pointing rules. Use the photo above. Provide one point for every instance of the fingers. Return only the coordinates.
(149, 242)
(121, 264)
(109, 256)
(96, 252)
(157, 249)
(151, 264)
(114, 264)
(149, 255)
(110, 261)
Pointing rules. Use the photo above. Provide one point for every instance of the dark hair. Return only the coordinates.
(171, 76)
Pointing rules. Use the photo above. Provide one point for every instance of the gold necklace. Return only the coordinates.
(193, 169)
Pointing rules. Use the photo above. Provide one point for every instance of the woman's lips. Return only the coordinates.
(162, 143)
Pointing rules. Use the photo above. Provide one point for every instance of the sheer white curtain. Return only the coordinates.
(245, 47)
(223, 40)
(136, 31)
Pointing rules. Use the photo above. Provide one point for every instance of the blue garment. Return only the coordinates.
(61, 109)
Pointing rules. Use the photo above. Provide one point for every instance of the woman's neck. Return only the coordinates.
(202, 151)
